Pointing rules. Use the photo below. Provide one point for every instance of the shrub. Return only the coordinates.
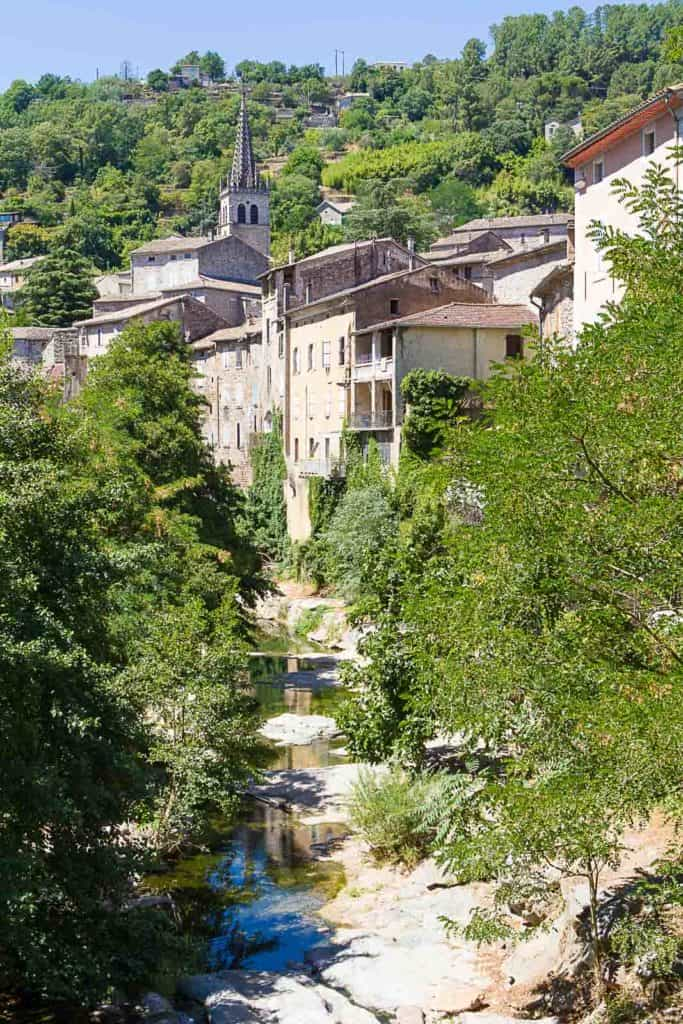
(390, 812)
(355, 537)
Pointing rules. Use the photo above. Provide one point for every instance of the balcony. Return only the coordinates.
(380, 420)
(321, 467)
(365, 369)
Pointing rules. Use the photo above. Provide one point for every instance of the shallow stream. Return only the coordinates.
(251, 900)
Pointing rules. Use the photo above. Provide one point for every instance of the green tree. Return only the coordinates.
(59, 290)
(25, 240)
(213, 65)
(266, 508)
(71, 739)
(158, 80)
(386, 210)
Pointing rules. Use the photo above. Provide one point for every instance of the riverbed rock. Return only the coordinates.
(299, 730)
(502, 1018)
(315, 795)
(409, 1015)
(265, 997)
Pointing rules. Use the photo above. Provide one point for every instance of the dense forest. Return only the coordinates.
(102, 167)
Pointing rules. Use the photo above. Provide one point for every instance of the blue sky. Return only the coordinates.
(75, 37)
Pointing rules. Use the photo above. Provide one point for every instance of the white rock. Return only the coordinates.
(299, 730)
(264, 997)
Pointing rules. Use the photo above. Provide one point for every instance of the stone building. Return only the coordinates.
(12, 277)
(554, 297)
(56, 351)
(333, 211)
(196, 320)
(325, 381)
(507, 256)
(227, 365)
(244, 211)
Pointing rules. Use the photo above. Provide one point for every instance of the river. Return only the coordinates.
(250, 899)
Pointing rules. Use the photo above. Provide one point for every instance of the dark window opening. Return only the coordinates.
(434, 285)
(342, 351)
(394, 307)
(296, 449)
(241, 214)
(598, 171)
(513, 346)
(238, 435)
(649, 142)
(467, 273)
(253, 214)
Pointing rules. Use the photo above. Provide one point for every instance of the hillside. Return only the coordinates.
(104, 166)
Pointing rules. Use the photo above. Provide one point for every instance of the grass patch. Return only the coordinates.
(310, 620)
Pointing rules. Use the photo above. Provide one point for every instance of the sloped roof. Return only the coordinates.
(625, 125)
(531, 220)
(547, 248)
(336, 250)
(559, 272)
(464, 314)
(32, 333)
(249, 330)
(174, 243)
(128, 313)
(218, 283)
(16, 265)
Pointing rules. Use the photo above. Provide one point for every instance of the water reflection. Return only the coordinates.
(252, 900)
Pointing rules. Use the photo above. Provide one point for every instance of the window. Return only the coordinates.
(467, 273)
(394, 307)
(434, 285)
(308, 292)
(174, 257)
(513, 346)
(241, 214)
(253, 214)
(311, 447)
(269, 378)
(598, 171)
(295, 361)
(238, 435)
(522, 239)
(649, 141)
(280, 344)
(327, 447)
(311, 358)
(342, 351)
(328, 402)
(267, 332)
(296, 449)
(226, 358)
(238, 359)
(327, 355)
(151, 259)
(99, 336)
(187, 256)
(546, 236)
(341, 403)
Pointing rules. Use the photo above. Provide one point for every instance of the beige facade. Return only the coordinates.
(227, 366)
(624, 149)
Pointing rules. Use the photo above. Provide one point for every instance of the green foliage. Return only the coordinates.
(356, 534)
(540, 616)
(650, 939)
(424, 164)
(266, 509)
(386, 210)
(311, 239)
(391, 814)
(26, 240)
(58, 290)
(435, 401)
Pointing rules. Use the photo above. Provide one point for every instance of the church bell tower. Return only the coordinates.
(244, 200)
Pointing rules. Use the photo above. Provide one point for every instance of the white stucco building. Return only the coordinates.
(624, 149)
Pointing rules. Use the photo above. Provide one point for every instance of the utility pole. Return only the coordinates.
(336, 67)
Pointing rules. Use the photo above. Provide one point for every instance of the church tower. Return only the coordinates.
(244, 201)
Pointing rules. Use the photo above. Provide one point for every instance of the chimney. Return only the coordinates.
(411, 250)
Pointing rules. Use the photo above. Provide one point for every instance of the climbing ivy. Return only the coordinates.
(266, 507)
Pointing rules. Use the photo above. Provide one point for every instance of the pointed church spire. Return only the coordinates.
(244, 174)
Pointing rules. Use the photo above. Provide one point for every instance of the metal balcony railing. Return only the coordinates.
(321, 467)
(372, 421)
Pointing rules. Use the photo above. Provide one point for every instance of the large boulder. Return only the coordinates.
(299, 730)
(264, 997)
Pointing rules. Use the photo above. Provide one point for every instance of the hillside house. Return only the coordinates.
(625, 148)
